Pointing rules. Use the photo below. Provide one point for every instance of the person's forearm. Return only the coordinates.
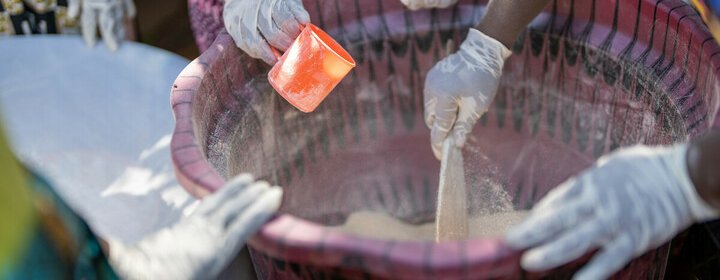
(703, 159)
(505, 19)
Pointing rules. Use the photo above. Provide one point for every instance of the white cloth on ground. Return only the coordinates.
(97, 125)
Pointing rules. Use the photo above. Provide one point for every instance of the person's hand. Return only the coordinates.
(258, 25)
(111, 15)
(632, 201)
(427, 4)
(203, 243)
(460, 88)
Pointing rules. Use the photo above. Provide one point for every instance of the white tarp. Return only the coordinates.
(97, 125)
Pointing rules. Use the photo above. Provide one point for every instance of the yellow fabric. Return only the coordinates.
(712, 21)
(700, 7)
(16, 211)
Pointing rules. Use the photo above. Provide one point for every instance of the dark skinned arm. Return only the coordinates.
(703, 160)
(505, 19)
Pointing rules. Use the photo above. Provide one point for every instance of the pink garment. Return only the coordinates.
(206, 21)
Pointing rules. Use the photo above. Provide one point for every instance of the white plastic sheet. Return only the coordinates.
(97, 125)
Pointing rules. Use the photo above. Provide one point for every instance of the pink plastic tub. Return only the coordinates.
(587, 78)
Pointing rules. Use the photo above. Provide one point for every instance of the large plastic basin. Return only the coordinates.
(588, 77)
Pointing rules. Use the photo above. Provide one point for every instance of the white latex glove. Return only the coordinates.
(109, 14)
(256, 25)
(427, 4)
(203, 243)
(460, 88)
(634, 200)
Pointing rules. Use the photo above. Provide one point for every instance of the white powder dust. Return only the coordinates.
(380, 225)
(452, 211)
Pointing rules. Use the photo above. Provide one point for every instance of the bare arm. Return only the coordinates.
(703, 161)
(505, 19)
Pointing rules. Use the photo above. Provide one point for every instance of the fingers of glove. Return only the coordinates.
(241, 22)
(430, 105)
(426, 4)
(73, 8)
(460, 131)
(241, 215)
(412, 4)
(569, 190)
(269, 29)
(256, 46)
(111, 27)
(445, 116)
(298, 10)
(436, 3)
(564, 249)
(233, 23)
(267, 54)
(236, 185)
(286, 20)
(444, 3)
(250, 220)
(88, 22)
(280, 39)
(257, 214)
(432, 92)
(609, 260)
(233, 208)
(468, 114)
(129, 7)
(241, 180)
(543, 225)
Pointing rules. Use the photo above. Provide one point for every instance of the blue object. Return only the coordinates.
(62, 246)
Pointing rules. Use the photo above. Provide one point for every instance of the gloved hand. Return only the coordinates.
(459, 88)
(110, 14)
(203, 243)
(427, 4)
(256, 25)
(632, 201)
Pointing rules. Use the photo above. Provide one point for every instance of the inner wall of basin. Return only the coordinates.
(366, 148)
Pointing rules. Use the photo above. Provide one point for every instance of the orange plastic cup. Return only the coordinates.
(310, 69)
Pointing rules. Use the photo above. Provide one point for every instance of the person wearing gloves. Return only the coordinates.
(202, 244)
(263, 23)
(112, 17)
(460, 88)
(259, 26)
(42, 238)
(629, 202)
